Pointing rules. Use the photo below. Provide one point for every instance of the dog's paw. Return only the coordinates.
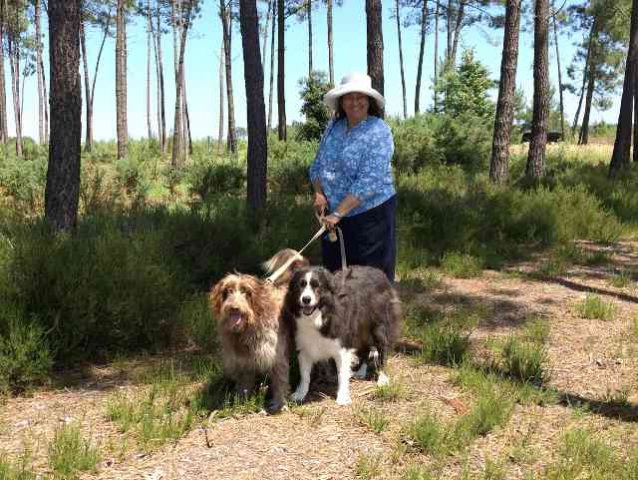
(344, 400)
(383, 380)
(298, 397)
(362, 373)
(275, 406)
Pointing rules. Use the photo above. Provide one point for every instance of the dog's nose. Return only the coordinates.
(305, 300)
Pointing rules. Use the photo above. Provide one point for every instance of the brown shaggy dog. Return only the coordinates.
(254, 341)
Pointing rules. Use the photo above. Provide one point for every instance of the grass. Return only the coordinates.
(164, 413)
(368, 467)
(461, 265)
(621, 279)
(373, 418)
(20, 470)
(314, 415)
(537, 330)
(486, 380)
(70, 453)
(582, 455)
(393, 392)
(492, 409)
(525, 361)
(595, 308)
(417, 472)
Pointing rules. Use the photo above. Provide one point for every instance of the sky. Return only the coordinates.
(349, 33)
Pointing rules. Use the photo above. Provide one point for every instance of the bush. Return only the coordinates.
(24, 181)
(25, 359)
(207, 179)
(525, 361)
(461, 266)
(102, 290)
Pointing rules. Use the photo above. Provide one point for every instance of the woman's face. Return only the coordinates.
(356, 106)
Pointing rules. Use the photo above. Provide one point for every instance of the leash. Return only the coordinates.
(277, 273)
(333, 237)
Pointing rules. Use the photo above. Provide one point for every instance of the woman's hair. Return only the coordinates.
(373, 108)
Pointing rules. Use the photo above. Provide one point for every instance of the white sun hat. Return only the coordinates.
(353, 82)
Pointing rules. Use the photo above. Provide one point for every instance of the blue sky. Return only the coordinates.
(202, 63)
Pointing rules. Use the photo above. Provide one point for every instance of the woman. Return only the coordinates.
(352, 177)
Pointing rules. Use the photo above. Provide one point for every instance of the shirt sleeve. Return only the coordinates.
(376, 152)
(317, 164)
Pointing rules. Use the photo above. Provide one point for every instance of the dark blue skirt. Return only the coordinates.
(370, 239)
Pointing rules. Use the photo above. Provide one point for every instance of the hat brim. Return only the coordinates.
(331, 99)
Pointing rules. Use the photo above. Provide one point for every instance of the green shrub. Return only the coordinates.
(195, 314)
(70, 453)
(525, 361)
(24, 181)
(461, 265)
(207, 179)
(446, 344)
(25, 359)
(594, 307)
(132, 178)
(428, 434)
(104, 289)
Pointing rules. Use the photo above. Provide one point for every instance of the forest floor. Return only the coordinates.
(592, 374)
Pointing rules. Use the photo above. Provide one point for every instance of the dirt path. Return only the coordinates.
(590, 361)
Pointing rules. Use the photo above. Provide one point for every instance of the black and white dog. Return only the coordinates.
(353, 312)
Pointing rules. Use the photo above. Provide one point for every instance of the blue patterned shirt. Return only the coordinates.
(355, 162)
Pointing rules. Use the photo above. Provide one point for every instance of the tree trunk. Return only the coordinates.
(121, 81)
(499, 164)
(88, 146)
(449, 27)
(177, 154)
(271, 6)
(187, 117)
(309, 38)
(38, 63)
(375, 43)
(419, 68)
(226, 18)
(583, 137)
(62, 191)
(592, 33)
(281, 91)
(14, 60)
(535, 168)
(220, 136)
(622, 145)
(436, 56)
(331, 65)
(560, 81)
(178, 132)
(87, 90)
(4, 129)
(148, 68)
(272, 66)
(255, 108)
(458, 25)
(160, 87)
(405, 104)
(46, 102)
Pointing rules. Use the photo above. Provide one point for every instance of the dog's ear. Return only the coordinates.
(215, 296)
(327, 279)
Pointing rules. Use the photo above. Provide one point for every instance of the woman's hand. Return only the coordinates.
(331, 221)
(321, 203)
